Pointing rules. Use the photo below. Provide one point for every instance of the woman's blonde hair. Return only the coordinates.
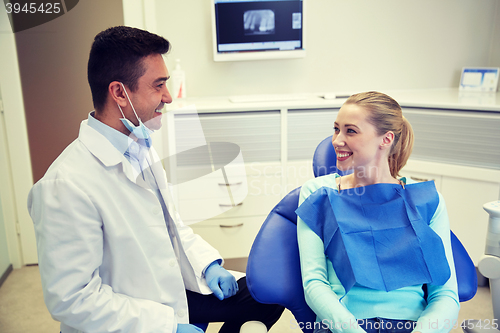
(386, 115)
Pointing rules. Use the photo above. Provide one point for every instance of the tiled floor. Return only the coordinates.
(22, 309)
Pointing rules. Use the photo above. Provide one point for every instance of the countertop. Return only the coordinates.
(449, 98)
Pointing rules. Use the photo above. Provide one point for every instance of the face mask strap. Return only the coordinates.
(133, 109)
(120, 110)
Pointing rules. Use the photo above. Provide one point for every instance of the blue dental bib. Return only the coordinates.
(379, 236)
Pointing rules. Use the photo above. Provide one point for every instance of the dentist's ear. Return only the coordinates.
(117, 93)
(387, 140)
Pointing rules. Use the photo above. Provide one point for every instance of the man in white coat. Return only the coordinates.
(114, 255)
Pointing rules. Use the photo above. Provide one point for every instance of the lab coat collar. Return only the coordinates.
(119, 140)
(103, 150)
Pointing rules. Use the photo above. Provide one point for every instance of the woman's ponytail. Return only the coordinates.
(402, 148)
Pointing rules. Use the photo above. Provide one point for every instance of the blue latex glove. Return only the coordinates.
(188, 328)
(221, 282)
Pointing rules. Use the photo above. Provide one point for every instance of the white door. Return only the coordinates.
(5, 260)
(10, 250)
(16, 176)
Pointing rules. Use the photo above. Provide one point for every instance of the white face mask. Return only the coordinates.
(141, 131)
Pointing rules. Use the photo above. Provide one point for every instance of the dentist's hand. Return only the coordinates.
(188, 328)
(221, 282)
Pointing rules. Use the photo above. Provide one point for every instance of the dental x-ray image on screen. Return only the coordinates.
(257, 29)
(259, 22)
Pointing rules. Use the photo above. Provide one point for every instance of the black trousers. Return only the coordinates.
(233, 311)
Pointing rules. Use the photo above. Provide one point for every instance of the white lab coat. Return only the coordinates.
(105, 256)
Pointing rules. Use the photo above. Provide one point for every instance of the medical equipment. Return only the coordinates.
(489, 267)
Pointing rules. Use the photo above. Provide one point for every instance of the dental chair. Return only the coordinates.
(273, 268)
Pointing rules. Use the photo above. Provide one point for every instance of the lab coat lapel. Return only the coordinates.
(104, 151)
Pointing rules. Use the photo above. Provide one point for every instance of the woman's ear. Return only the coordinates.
(115, 90)
(387, 140)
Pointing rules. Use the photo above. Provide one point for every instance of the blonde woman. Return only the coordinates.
(375, 248)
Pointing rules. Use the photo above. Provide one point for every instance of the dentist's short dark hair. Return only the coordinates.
(117, 54)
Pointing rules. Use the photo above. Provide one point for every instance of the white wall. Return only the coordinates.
(494, 60)
(351, 46)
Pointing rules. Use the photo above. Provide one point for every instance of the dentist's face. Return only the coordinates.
(151, 94)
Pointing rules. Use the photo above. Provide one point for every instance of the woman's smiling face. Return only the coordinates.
(356, 141)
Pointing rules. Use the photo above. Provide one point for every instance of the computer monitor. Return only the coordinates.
(257, 29)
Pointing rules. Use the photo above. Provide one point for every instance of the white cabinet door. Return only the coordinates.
(456, 137)
(306, 129)
(232, 233)
(232, 230)
(256, 133)
(464, 201)
(233, 238)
